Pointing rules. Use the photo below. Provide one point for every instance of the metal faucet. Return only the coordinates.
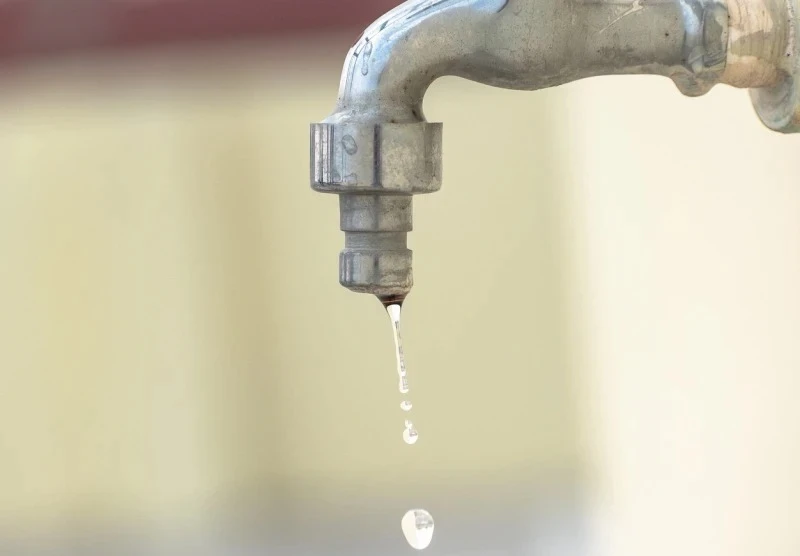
(376, 151)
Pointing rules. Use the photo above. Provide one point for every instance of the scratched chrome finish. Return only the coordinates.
(377, 143)
(524, 44)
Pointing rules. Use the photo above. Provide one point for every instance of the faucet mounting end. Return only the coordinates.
(779, 106)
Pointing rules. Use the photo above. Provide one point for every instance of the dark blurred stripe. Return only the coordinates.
(42, 27)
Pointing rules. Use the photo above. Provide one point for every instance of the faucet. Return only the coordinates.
(376, 151)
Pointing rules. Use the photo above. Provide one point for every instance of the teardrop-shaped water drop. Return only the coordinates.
(410, 434)
(417, 526)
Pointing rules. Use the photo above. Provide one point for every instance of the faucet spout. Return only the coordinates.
(388, 71)
(377, 149)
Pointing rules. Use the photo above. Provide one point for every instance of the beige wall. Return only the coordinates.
(174, 339)
(687, 213)
(606, 289)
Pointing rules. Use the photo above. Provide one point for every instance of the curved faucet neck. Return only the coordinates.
(525, 44)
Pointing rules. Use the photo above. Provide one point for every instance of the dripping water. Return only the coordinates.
(410, 434)
(417, 525)
(394, 315)
(394, 308)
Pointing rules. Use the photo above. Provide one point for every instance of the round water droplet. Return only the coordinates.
(405, 405)
(410, 434)
(417, 526)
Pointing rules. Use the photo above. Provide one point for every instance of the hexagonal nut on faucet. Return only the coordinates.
(378, 272)
(384, 158)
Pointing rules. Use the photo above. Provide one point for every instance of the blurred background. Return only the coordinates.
(180, 372)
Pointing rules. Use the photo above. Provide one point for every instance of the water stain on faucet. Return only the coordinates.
(349, 144)
(367, 55)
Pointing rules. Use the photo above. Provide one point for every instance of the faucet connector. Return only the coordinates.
(377, 263)
(376, 168)
(376, 258)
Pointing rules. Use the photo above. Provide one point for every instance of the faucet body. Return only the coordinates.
(377, 150)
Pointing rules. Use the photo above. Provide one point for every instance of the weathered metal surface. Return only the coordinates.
(378, 143)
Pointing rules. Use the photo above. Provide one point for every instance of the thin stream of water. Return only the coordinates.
(417, 525)
(410, 434)
(394, 315)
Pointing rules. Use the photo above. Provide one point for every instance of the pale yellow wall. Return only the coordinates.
(173, 337)
(686, 215)
(606, 288)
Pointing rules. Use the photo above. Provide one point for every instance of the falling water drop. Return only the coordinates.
(417, 526)
(410, 434)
